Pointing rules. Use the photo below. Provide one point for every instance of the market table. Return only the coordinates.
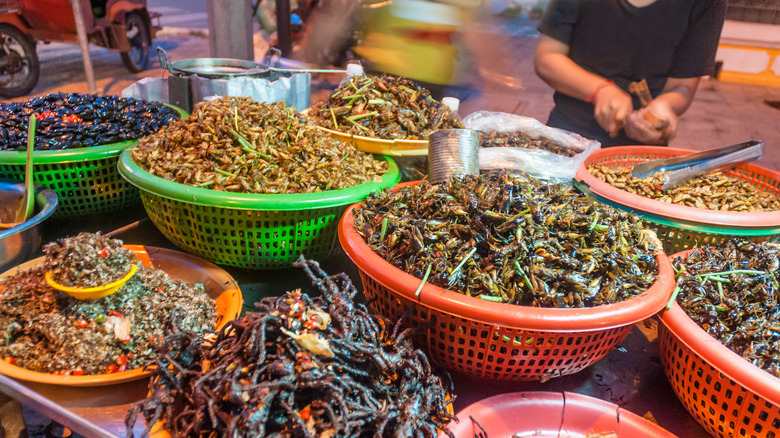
(630, 376)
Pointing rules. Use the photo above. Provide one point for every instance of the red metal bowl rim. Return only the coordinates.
(602, 317)
(762, 219)
(720, 357)
(573, 412)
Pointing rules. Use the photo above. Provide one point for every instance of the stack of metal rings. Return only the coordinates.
(452, 152)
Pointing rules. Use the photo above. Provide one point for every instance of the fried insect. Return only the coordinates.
(711, 192)
(387, 107)
(48, 331)
(732, 292)
(511, 239)
(236, 144)
(298, 367)
(518, 139)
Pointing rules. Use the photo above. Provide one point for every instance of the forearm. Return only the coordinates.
(553, 66)
(678, 94)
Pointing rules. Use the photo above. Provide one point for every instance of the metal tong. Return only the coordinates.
(728, 161)
(650, 168)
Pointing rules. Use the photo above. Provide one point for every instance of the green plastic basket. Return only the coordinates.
(85, 180)
(245, 230)
(680, 227)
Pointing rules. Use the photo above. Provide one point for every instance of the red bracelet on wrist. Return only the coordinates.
(601, 85)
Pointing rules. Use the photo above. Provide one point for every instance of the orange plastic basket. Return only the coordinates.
(549, 415)
(680, 227)
(499, 340)
(727, 395)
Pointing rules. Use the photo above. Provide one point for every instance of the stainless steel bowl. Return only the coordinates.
(22, 242)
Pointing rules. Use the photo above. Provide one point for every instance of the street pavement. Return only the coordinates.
(498, 50)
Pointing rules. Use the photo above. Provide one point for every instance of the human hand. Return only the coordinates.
(611, 106)
(654, 124)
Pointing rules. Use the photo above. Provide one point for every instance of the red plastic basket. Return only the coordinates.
(681, 227)
(549, 415)
(499, 340)
(727, 395)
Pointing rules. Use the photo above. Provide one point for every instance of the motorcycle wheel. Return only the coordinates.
(17, 55)
(137, 59)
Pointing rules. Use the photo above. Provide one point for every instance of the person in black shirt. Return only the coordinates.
(590, 51)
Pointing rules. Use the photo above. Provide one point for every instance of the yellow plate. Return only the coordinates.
(91, 293)
(393, 148)
(218, 284)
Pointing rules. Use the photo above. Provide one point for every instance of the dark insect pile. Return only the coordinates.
(236, 144)
(733, 293)
(512, 239)
(495, 139)
(711, 192)
(87, 260)
(300, 367)
(387, 107)
(46, 330)
(74, 120)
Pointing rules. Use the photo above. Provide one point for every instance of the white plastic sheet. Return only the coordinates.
(537, 162)
(294, 90)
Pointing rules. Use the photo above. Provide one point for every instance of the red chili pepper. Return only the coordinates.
(72, 118)
(311, 324)
(46, 114)
(122, 367)
(78, 372)
(111, 368)
(82, 323)
(305, 413)
(10, 360)
(104, 253)
(115, 313)
(121, 360)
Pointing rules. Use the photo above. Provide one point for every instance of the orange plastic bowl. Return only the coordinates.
(726, 394)
(550, 415)
(680, 227)
(499, 340)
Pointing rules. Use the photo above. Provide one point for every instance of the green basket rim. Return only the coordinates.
(63, 156)
(144, 180)
(684, 225)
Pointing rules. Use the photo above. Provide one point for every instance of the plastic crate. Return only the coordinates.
(256, 231)
(499, 340)
(727, 395)
(680, 227)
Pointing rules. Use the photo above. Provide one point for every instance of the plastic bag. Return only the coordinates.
(539, 163)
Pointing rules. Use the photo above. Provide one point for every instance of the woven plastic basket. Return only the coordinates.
(85, 180)
(727, 395)
(499, 340)
(680, 227)
(255, 231)
(543, 414)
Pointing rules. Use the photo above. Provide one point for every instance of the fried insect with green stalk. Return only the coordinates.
(513, 239)
(732, 291)
(387, 107)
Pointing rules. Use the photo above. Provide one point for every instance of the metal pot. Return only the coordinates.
(212, 68)
(22, 242)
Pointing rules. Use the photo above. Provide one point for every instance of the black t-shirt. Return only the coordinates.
(616, 40)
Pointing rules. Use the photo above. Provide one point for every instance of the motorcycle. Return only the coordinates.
(123, 26)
